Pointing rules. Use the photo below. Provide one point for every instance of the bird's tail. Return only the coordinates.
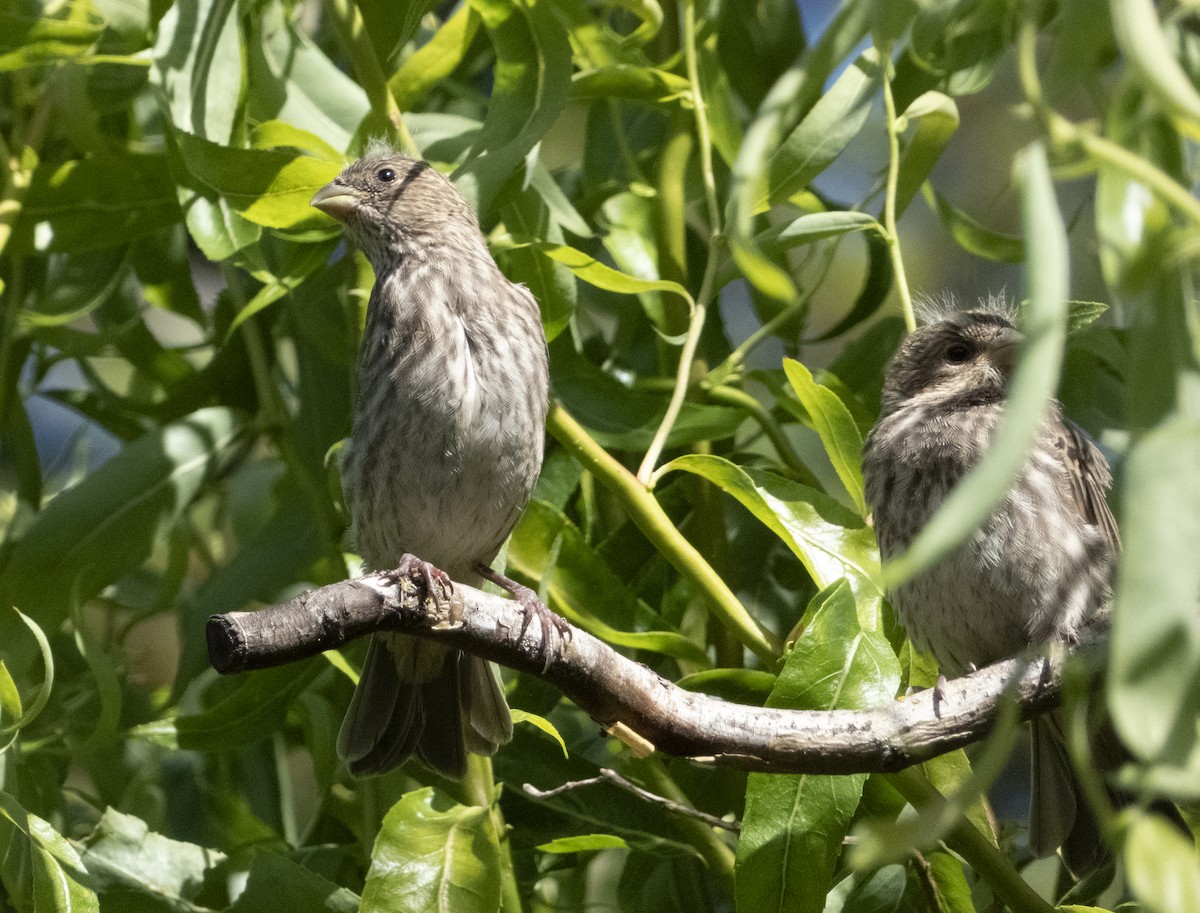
(411, 698)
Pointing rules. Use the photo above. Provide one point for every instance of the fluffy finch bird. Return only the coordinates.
(447, 444)
(1039, 567)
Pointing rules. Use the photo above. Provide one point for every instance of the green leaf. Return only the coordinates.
(793, 93)
(540, 722)
(93, 203)
(269, 188)
(123, 855)
(741, 686)
(105, 526)
(626, 419)
(11, 700)
(198, 68)
(602, 276)
(1162, 867)
(631, 239)
(31, 41)
(255, 710)
(277, 883)
(528, 218)
(829, 539)
(433, 63)
(1156, 629)
(1141, 39)
(586, 843)
(433, 854)
(628, 81)
(39, 869)
(934, 117)
(794, 825)
(532, 79)
(825, 131)
(836, 427)
(290, 80)
(971, 236)
(1033, 383)
(546, 546)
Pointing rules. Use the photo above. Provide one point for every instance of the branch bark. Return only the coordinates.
(624, 695)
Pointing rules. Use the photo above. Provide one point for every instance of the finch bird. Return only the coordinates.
(1037, 570)
(447, 443)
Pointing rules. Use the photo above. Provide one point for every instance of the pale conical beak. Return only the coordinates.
(1003, 350)
(336, 200)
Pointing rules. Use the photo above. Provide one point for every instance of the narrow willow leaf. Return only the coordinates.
(789, 99)
(39, 868)
(43, 694)
(587, 843)
(198, 67)
(434, 61)
(1156, 629)
(628, 81)
(972, 236)
(540, 722)
(836, 427)
(633, 243)
(933, 118)
(829, 539)
(825, 131)
(28, 40)
(794, 825)
(1140, 37)
(256, 709)
(105, 526)
(530, 89)
(546, 546)
(433, 855)
(291, 80)
(1033, 383)
(1162, 867)
(602, 276)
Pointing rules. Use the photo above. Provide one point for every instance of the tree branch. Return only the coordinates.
(617, 692)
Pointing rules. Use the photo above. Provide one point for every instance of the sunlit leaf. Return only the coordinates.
(433, 854)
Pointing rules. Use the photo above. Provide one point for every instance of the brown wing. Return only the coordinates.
(1089, 478)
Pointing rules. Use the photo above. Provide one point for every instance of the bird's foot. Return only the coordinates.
(534, 608)
(438, 585)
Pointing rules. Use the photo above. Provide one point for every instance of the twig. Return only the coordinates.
(612, 776)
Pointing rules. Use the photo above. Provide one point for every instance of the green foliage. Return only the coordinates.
(691, 190)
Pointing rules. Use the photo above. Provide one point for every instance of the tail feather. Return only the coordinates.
(488, 720)
(412, 698)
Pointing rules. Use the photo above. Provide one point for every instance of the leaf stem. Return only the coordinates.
(646, 513)
(687, 355)
(349, 25)
(893, 181)
(1063, 132)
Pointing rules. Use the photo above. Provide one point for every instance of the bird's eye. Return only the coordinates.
(387, 175)
(957, 353)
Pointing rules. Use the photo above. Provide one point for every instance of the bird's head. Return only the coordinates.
(390, 202)
(965, 357)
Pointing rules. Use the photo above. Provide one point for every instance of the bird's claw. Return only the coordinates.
(438, 585)
(533, 607)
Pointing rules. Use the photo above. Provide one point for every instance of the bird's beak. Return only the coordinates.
(1003, 352)
(336, 200)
